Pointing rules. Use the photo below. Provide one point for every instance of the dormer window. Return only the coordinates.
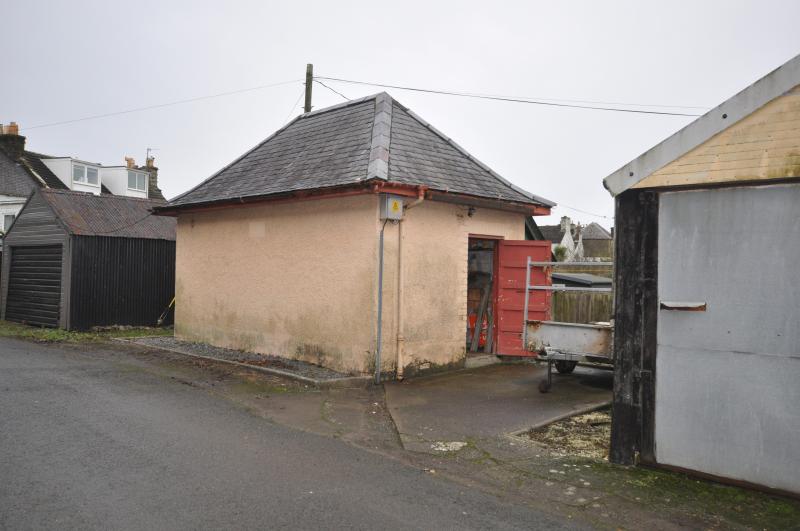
(137, 181)
(84, 174)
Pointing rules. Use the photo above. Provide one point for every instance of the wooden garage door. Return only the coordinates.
(34, 285)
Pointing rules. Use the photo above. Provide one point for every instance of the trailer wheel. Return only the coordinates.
(565, 367)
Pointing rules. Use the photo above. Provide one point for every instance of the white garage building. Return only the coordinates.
(707, 303)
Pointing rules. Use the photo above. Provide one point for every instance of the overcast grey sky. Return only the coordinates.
(65, 60)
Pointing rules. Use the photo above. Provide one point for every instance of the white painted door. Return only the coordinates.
(728, 378)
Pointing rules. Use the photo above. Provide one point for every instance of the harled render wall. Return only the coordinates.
(292, 279)
(435, 260)
(300, 280)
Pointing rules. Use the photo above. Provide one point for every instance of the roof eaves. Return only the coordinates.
(167, 209)
(724, 115)
(450, 141)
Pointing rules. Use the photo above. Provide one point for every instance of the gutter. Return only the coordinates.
(373, 186)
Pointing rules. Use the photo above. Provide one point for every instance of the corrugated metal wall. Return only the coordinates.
(120, 281)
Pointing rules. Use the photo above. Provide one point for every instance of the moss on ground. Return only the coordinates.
(581, 443)
(663, 489)
(57, 335)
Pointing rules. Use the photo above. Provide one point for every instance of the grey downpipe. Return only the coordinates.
(380, 307)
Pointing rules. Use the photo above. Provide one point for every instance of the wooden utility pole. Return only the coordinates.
(309, 81)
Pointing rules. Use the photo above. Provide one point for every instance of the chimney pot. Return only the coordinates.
(129, 162)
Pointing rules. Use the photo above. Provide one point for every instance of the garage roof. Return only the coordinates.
(373, 138)
(85, 214)
(766, 89)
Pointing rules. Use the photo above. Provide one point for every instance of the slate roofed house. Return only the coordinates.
(296, 248)
(22, 171)
(597, 241)
(76, 260)
(706, 339)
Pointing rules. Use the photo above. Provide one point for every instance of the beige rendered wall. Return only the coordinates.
(435, 261)
(292, 279)
(764, 145)
(300, 280)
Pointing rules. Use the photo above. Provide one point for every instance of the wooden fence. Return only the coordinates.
(581, 307)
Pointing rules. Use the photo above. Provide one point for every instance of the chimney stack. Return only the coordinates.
(130, 163)
(11, 142)
(566, 224)
(153, 191)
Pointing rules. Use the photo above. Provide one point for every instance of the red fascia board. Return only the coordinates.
(372, 186)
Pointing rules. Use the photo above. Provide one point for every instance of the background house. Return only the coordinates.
(596, 240)
(76, 260)
(23, 171)
(348, 217)
(706, 350)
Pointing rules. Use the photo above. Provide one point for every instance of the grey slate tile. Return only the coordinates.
(334, 147)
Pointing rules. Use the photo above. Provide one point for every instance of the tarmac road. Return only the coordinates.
(94, 443)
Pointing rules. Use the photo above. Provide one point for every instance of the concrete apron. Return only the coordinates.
(443, 413)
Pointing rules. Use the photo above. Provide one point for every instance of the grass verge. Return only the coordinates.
(57, 335)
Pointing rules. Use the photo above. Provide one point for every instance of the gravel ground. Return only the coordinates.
(582, 435)
(274, 362)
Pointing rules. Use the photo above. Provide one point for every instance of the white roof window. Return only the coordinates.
(137, 181)
(84, 174)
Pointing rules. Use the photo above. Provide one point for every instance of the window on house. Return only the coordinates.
(84, 174)
(8, 219)
(91, 175)
(137, 181)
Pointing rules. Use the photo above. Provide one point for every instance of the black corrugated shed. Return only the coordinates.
(113, 261)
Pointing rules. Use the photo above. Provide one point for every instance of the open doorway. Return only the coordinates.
(480, 295)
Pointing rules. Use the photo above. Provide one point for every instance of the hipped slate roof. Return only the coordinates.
(85, 214)
(373, 138)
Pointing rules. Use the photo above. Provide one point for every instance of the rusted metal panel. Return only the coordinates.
(512, 262)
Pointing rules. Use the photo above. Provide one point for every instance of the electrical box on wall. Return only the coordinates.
(391, 207)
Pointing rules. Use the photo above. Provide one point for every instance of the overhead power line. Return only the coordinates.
(332, 90)
(160, 105)
(296, 103)
(584, 211)
(531, 101)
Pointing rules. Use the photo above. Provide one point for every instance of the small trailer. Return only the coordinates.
(564, 345)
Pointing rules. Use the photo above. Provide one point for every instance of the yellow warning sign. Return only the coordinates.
(391, 207)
